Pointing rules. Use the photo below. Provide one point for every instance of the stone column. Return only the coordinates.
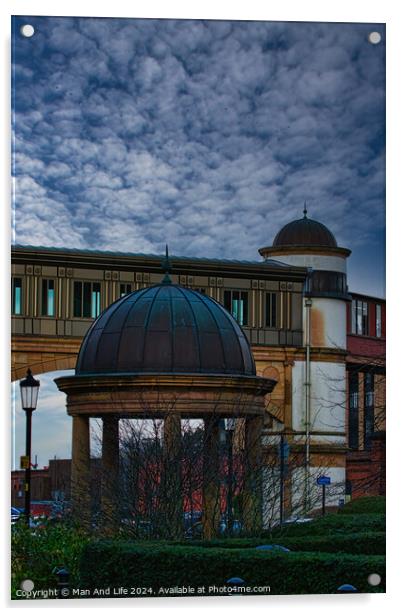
(211, 479)
(252, 495)
(110, 474)
(172, 506)
(80, 471)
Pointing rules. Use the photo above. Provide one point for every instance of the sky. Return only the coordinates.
(206, 135)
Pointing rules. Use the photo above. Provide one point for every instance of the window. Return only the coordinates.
(86, 299)
(48, 298)
(271, 303)
(236, 302)
(125, 289)
(368, 409)
(354, 410)
(16, 296)
(378, 324)
(359, 320)
(322, 281)
(199, 290)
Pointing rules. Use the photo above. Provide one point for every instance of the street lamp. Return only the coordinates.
(29, 396)
(230, 425)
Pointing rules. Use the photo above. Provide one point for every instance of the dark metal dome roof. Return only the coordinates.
(305, 232)
(165, 329)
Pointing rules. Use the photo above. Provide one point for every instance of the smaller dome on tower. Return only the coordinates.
(305, 232)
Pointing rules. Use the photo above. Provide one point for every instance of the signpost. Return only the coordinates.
(323, 481)
(24, 462)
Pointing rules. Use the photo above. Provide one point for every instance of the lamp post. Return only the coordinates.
(29, 396)
(230, 425)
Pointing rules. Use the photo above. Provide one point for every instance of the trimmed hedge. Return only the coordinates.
(331, 524)
(364, 505)
(112, 564)
(351, 543)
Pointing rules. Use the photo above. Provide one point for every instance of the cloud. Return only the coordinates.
(206, 135)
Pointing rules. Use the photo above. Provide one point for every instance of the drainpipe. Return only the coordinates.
(308, 303)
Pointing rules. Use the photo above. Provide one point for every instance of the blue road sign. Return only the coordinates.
(323, 480)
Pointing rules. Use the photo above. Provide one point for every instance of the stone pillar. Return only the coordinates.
(172, 506)
(110, 474)
(252, 495)
(211, 479)
(80, 471)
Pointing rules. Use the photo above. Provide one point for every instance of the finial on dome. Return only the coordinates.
(305, 210)
(166, 268)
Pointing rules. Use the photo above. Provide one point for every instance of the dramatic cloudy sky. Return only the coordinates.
(208, 135)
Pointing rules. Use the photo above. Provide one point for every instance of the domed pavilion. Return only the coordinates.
(170, 353)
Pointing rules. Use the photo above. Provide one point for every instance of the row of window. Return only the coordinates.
(86, 298)
(328, 282)
(87, 301)
(360, 324)
(368, 406)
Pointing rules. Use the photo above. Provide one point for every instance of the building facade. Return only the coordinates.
(293, 306)
(366, 371)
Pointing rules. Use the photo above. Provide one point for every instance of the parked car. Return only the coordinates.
(236, 527)
(194, 531)
(15, 515)
(273, 547)
(297, 520)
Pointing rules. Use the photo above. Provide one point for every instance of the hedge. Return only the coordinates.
(351, 543)
(113, 564)
(331, 524)
(364, 505)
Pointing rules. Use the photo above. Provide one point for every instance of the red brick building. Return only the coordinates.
(366, 367)
(51, 483)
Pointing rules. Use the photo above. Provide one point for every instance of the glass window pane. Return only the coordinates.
(353, 410)
(50, 301)
(359, 323)
(86, 311)
(51, 298)
(44, 297)
(48, 298)
(273, 318)
(244, 316)
(268, 309)
(95, 303)
(77, 299)
(241, 312)
(378, 320)
(353, 316)
(125, 289)
(365, 329)
(235, 308)
(17, 296)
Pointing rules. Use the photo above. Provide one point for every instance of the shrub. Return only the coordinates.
(351, 543)
(36, 552)
(364, 505)
(110, 564)
(331, 524)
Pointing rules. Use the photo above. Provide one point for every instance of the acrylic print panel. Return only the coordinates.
(198, 286)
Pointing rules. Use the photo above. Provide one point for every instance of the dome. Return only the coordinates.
(305, 232)
(165, 329)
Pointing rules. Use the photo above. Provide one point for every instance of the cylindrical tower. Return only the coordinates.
(319, 377)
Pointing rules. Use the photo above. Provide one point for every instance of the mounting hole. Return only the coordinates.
(374, 579)
(374, 38)
(27, 30)
(27, 585)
